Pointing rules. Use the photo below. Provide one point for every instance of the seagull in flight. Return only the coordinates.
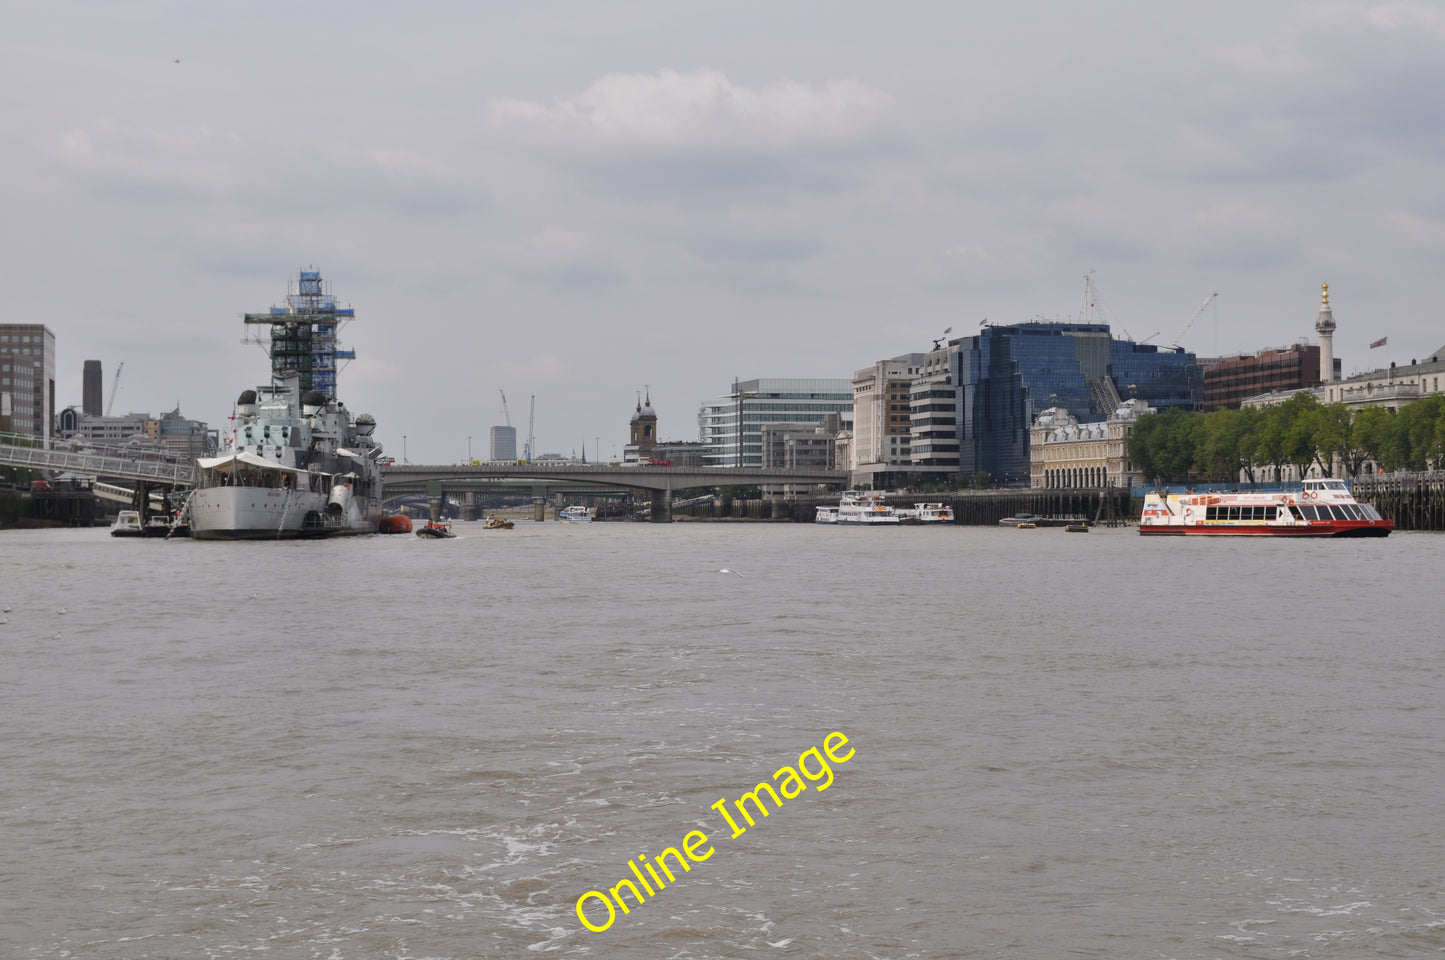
(734, 572)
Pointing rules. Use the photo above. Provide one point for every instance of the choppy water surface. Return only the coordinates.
(1067, 746)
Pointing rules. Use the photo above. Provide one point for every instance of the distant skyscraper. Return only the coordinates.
(504, 443)
(90, 385)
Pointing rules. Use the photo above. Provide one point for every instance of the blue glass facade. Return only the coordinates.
(1007, 375)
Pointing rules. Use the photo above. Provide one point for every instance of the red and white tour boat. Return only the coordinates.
(1321, 508)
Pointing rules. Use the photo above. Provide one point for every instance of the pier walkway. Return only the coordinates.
(166, 472)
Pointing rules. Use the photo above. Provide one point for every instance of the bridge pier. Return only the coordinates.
(141, 501)
(539, 504)
(469, 505)
(434, 500)
(661, 506)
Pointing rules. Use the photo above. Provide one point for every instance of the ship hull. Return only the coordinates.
(1314, 530)
(262, 513)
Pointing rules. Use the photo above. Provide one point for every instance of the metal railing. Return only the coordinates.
(93, 464)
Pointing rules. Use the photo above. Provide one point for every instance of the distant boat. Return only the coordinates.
(576, 512)
(925, 513)
(865, 508)
(127, 524)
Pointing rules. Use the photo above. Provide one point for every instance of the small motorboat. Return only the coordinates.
(436, 531)
(497, 523)
(127, 524)
(1027, 525)
(1076, 528)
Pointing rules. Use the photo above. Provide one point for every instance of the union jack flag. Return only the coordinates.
(1379, 343)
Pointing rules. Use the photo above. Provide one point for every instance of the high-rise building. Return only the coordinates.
(27, 379)
(882, 418)
(1004, 376)
(504, 443)
(90, 390)
(732, 425)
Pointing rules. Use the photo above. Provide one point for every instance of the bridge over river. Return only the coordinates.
(540, 478)
(543, 479)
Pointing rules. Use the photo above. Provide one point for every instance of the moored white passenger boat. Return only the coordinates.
(925, 513)
(864, 508)
(1320, 508)
(826, 515)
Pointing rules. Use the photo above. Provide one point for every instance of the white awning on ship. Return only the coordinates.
(240, 461)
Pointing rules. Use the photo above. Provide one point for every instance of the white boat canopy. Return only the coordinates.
(241, 461)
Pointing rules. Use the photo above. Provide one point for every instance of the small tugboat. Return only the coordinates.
(1320, 508)
(436, 531)
(1076, 528)
(496, 523)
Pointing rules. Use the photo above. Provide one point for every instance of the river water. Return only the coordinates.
(1064, 746)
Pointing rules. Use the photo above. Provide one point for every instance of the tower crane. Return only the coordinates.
(115, 385)
(1207, 301)
(505, 413)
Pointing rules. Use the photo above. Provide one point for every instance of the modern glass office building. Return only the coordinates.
(732, 426)
(1007, 375)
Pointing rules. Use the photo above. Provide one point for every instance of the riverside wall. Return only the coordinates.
(1415, 501)
(970, 507)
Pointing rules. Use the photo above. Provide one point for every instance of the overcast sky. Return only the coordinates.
(575, 200)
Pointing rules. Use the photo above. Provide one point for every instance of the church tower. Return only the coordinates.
(643, 431)
(1325, 327)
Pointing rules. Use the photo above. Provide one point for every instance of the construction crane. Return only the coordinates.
(505, 414)
(1207, 301)
(531, 418)
(115, 385)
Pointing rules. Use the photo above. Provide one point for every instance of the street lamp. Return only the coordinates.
(597, 448)
(469, 449)
(403, 448)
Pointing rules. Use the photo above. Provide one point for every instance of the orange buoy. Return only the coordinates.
(396, 523)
